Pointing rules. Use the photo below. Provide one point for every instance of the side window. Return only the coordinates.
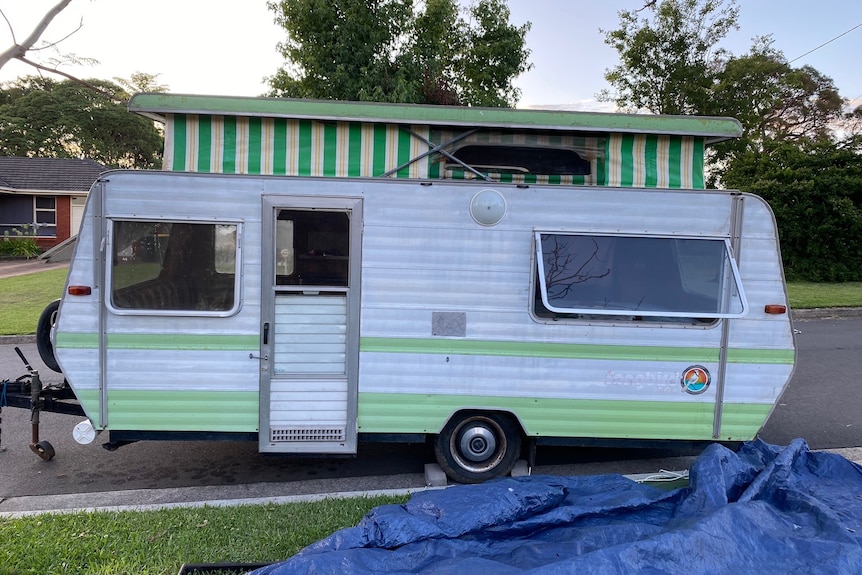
(312, 248)
(624, 278)
(171, 267)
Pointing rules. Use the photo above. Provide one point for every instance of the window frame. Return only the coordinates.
(109, 270)
(50, 229)
(620, 314)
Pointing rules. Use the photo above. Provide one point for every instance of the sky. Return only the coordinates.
(228, 47)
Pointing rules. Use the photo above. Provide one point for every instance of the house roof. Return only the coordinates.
(48, 174)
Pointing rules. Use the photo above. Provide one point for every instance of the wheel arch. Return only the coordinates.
(464, 410)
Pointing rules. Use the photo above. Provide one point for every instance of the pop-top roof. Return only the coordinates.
(159, 105)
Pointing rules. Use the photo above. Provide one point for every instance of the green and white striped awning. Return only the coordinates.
(349, 139)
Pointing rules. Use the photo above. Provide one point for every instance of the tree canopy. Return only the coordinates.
(800, 147)
(400, 51)
(40, 117)
(672, 63)
(668, 62)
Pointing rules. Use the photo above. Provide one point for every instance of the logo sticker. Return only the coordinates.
(695, 380)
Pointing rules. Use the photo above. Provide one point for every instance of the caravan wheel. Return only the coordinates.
(476, 447)
(43, 335)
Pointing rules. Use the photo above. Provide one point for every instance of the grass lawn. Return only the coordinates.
(23, 298)
(159, 542)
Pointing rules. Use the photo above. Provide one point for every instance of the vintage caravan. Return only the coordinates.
(312, 274)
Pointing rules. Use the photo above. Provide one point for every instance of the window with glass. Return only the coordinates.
(45, 215)
(312, 248)
(580, 276)
(172, 267)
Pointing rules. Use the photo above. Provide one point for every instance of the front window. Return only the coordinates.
(45, 215)
(174, 267)
(636, 278)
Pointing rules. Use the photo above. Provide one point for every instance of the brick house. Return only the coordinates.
(48, 193)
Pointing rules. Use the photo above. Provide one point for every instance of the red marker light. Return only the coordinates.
(775, 309)
(79, 290)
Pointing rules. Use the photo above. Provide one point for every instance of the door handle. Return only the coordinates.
(265, 333)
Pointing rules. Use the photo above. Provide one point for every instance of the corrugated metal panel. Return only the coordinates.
(422, 253)
(302, 404)
(310, 334)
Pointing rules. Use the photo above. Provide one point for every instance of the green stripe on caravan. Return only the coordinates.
(572, 351)
(552, 417)
(441, 346)
(176, 410)
(161, 341)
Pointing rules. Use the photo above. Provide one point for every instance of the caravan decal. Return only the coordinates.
(695, 380)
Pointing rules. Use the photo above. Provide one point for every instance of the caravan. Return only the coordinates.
(313, 274)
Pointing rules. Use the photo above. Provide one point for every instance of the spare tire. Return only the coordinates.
(43, 335)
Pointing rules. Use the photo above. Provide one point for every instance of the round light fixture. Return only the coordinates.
(488, 207)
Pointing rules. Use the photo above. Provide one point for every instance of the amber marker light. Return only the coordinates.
(79, 290)
(775, 308)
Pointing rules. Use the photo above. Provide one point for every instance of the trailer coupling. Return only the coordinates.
(28, 392)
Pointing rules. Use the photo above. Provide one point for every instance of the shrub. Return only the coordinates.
(21, 243)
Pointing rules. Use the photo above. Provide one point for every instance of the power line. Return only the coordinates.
(825, 43)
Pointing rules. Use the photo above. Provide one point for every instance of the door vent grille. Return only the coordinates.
(287, 434)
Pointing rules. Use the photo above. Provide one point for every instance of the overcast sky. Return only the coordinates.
(227, 47)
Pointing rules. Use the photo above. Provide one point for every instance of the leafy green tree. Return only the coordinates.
(668, 62)
(398, 51)
(773, 100)
(815, 190)
(40, 117)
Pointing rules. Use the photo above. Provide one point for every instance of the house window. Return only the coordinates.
(174, 268)
(45, 215)
(627, 278)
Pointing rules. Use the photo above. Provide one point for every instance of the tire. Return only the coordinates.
(475, 446)
(43, 336)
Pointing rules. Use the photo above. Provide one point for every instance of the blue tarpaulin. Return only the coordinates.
(763, 509)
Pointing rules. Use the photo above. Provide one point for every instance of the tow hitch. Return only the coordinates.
(28, 392)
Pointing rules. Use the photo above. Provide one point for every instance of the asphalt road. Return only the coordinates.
(822, 405)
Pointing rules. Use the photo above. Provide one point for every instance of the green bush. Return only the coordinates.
(815, 190)
(21, 243)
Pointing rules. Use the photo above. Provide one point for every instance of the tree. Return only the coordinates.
(40, 117)
(815, 190)
(392, 51)
(773, 100)
(668, 63)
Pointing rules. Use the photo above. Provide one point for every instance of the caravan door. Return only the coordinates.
(310, 324)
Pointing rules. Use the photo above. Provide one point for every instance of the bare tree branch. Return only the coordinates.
(18, 51)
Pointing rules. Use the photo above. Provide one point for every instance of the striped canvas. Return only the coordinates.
(279, 146)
